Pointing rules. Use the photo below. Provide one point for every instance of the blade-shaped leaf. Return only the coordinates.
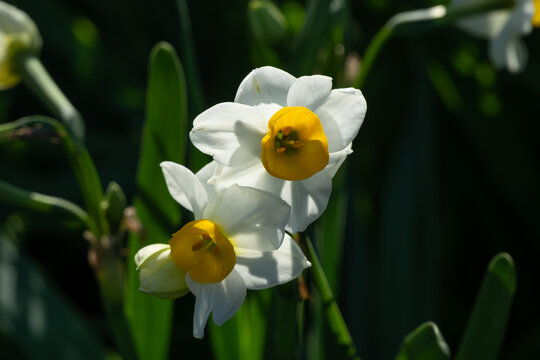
(487, 323)
(424, 343)
(243, 336)
(164, 138)
(35, 316)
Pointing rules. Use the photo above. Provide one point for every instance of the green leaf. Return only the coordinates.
(243, 336)
(424, 343)
(164, 138)
(35, 315)
(487, 323)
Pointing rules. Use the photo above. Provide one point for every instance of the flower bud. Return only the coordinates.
(158, 274)
(113, 205)
(18, 35)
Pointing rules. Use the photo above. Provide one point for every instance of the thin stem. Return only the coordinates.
(335, 319)
(81, 163)
(406, 23)
(43, 86)
(13, 195)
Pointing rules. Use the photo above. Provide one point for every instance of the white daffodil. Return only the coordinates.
(283, 135)
(18, 34)
(236, 242)
(504, 29)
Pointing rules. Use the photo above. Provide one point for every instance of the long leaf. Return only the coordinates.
(35, 315)
(164, 138)
(424, 343)
(487, 323)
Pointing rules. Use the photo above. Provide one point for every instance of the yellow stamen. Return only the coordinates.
(202, 250)
(295, 147)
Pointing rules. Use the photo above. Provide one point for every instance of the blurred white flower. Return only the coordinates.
(504, 29)
(283, 135)
(236, 242)
(18, 35)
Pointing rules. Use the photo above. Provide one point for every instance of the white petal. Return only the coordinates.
(309, 91)
(307, 198)
(184, 187)
(230, 132)
(251, 218)
(261, 270)
(341, 116)
(337, 158)
(485, 26)
(223, 299)
(266, 88)
(158, 274)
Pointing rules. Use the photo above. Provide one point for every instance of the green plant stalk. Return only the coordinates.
(333, 314)
(13, 195)
(404, 23)
(36, 77)
(81, 163)
(108, 266)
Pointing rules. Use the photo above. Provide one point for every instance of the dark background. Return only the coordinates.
(444, 173)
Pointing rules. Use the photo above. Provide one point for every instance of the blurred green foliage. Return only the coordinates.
(444, 173)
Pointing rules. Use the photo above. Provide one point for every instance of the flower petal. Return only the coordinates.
(158, 275)
(342, 115)
(184, 187)
(229, 132)
(223, 299)
(337, 158)
(251, 218)
(266, 88)
(261, 270)
(309, 91)
(307, 198)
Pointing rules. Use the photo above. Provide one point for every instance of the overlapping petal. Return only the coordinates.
(307, 198)
(261, 270)
(252, 219)
(223, 299)
(309, 91)
(341, 115)
(229, 132)
(185, 187)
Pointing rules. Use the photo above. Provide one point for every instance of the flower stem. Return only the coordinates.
(335, 319)
(80, 160)
(407, 22)
(43, 86)
(11, 194)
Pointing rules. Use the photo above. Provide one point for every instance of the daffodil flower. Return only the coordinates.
(18, 34)
(284, 135)
(504, 28)
(236, 242)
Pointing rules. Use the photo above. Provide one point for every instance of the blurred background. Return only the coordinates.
(444, 173)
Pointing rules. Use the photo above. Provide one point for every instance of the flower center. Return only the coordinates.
(536, 16)
(295, 147)
(201, 250)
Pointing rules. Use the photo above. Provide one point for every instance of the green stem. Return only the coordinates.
(80, 160)
(335, 319)
(435, 16)
(13, 195)
(43, 86)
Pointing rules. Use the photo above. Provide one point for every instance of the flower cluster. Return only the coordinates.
(275, 150)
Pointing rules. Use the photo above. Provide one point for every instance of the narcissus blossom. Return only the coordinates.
(236, 242)
(18, 34)
(283, 135)
(504, 29)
